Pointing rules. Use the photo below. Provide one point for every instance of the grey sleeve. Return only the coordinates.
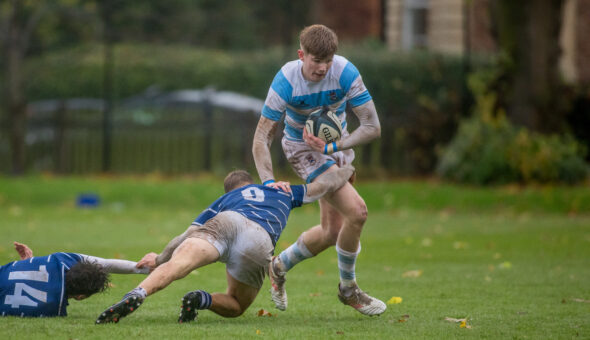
(116, 266)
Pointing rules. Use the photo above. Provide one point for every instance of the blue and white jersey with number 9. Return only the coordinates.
(264, 205)
(36, 286)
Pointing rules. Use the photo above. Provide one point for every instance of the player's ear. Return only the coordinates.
(301, 54)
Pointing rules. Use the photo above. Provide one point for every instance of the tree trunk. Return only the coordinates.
(528, 33)
(15, 98)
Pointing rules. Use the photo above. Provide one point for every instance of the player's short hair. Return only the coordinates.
(236, 179)
(318, 40)
(86, 278)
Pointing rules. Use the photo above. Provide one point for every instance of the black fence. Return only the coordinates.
(182, 132)
(186, 131)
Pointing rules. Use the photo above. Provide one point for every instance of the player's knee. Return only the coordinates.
(233, 312)
(358, 215)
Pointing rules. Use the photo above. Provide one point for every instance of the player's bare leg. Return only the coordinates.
(191, 254)
(343, 215)
(353, 210)
(231, 304)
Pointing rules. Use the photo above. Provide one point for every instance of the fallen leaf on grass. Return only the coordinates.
(581, 300)
(413, 273)
(453, 319)
(258, 332)
(315, 294)
(263, 312)
(394, 300)
(505, 265)
(320, 272)
(403, 318)
(462, 322)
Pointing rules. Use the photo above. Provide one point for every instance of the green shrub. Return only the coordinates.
(544, 158)
(495, 151)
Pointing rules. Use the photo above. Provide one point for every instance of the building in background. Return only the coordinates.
(450, 26)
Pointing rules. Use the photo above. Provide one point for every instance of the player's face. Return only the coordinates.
(314, 68)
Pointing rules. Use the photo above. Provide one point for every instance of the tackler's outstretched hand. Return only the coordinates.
(281, 185)
(148, 261)
(23, 250)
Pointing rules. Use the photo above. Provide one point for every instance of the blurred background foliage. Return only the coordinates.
(489, 149)
(433, 121)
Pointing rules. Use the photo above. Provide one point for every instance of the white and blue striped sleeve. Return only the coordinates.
(278, 96)
(352, 83)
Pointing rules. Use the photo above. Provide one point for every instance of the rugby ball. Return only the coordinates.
(325, 125)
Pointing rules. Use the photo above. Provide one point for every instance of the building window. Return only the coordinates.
(415, 24)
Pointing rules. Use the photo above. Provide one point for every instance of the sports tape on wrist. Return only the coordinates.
(330, 148)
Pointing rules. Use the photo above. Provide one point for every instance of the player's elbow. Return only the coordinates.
(377, 131)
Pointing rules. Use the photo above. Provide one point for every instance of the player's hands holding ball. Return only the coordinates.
(322, 130)
(314, 142)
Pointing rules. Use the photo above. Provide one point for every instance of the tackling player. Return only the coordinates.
(41, 286)
(319, 78)
(239, 229)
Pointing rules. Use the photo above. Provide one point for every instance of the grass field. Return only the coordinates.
(514, 262)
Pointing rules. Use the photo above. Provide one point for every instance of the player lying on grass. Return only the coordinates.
(239, 229)
(41, 286)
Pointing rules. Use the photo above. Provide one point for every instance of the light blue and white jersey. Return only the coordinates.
(264, 205)
(291, 93)
(36, 286)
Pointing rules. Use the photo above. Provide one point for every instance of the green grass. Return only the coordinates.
(512, 260)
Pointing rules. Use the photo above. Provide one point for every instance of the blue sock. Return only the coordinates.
(205, 301)
(138, 291)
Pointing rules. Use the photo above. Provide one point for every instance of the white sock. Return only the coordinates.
(296, 253)
(346, 265)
